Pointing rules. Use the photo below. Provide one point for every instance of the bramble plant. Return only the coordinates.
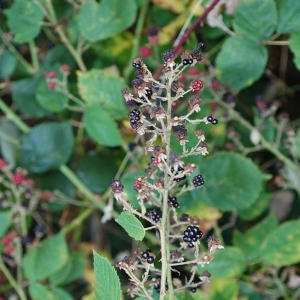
(123, 171)
(164, 180)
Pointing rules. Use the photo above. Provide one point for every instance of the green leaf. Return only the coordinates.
(232, 182)
(248, 291)
(8, 147)
(257, 208)
(241, 62)
(101, 127)
(38, 291)
(100, 21)
(281, 247)
(99, 87)
(88, 170)
(288, 16)
(50, 99)
(71, 271)
(255, 18)
(251, 241)
(132, 225)
(46, 147)
(24, 19)
(52, 255)
(295, 48)
(8, 63)
(225, 289)
(107, 280)
(23, 95)
(5, 221)
(227, 263)
(61, 294)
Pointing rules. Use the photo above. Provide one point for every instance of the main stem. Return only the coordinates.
(166, 275)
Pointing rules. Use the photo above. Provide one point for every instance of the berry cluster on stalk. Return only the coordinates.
(168, 174)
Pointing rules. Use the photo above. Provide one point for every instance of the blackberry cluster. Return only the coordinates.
(179, 170)
(153, 215)
(198, 181)
(172, 201)
(168, 55)
(39, 230)
(147, 256)
(196, 52)
(211, 119)
(192, 234)
(181, 130)
(134, 117)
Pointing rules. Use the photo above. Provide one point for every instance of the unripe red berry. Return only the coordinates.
(65, 69)
(51, 85)
(215, 84)
(17, 178)
(46, 195)
(193, 71)
(29, 182)
(137, 185)
(11, 235)
(5, 240)
(145, 51)
(50, 74)
(196, 85)
(153, 40)
(3, 163)
(213, 106)
(9, 249)
(175, 104)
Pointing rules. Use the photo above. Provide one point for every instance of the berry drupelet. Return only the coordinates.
(198, 181)
(191, 235)
(172, 201)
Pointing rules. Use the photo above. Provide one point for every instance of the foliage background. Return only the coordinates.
(72, 140)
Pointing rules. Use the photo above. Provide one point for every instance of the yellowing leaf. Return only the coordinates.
(169, 32)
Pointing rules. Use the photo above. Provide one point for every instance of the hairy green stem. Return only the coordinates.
(136, 41)
(18, 56)
(52, 16)
(11, 280)
(265, 144)
(34, 56)
(166, 275)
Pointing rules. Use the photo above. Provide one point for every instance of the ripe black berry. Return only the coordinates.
(193, 289)
(153, 215)
(210, 118)
(172, 201)
(198, 181)
(150, 260)
(214, 121)
(157, 286)
(149, 92)
(136, 65)
(145, 255)
(192, 234)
